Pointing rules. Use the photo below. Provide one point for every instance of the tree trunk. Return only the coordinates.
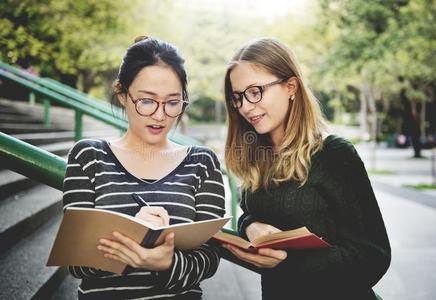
(411, 124)
(369, 97)
(88, 80)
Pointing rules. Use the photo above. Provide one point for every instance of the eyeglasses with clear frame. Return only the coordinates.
(253, 94)
(147, 107)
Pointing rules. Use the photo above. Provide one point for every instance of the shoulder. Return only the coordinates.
(339, 154)
(86, 149)
(204, 155)
(203, 152)
(338, 146)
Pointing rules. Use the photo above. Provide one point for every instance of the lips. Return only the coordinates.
(256, 118)
(155, 129)
(155, 126)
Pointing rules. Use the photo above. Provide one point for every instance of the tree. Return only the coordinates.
(388, 47)
(74, 41)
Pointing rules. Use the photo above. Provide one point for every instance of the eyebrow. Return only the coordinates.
(248, 86)
(154, 94)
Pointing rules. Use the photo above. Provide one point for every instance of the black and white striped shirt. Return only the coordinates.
(193, 191)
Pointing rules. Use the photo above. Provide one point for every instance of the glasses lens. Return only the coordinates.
(146, 107)
(173, 108)
(236, 100)
(253, 94)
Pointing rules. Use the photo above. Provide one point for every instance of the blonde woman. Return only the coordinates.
(294, 174)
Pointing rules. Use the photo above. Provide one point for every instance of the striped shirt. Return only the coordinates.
(193, 191)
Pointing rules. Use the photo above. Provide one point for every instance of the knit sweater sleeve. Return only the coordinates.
(245, 219)
(361, 255)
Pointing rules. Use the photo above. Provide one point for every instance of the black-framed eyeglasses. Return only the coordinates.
(253, 94)
(147, 107)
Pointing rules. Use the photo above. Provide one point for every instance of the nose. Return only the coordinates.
(246, 106)
(159, 114)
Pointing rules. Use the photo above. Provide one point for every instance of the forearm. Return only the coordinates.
(244, 221)
(190, 267)
(86, 272)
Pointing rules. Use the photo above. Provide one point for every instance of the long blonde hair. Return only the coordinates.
(249, 155)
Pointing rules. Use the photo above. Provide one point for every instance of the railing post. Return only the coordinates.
(78, 125)
(234, 207)
(47, 119)
(32, 98)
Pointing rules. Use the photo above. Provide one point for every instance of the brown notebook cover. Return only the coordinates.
(300, 238)
(81, 228)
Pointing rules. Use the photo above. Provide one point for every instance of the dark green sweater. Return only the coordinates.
(338, 204)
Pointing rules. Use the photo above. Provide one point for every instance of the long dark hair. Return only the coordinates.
(148, 51)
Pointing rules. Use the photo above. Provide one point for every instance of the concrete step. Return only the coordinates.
(41, 138)
(13, 128)
(23, 213)
(60, 148)
(67, 290)
(10, 110)
(16, 118)
(11, 183)
(22, 268)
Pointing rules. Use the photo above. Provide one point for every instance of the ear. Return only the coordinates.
(122, 99)
(293, 85)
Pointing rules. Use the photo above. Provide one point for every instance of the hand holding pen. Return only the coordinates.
(157, 216)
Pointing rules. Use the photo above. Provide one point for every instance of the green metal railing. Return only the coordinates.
(32, 161)
(51, 91)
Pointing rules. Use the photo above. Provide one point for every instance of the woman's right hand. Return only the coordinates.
(156, 216)
(258, 229)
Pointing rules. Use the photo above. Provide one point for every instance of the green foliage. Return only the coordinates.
(202, 110)
(74, 41)
(341, 45)
(387, 44)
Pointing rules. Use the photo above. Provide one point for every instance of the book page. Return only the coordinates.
(281, 235)
(232, 239)
(192, 235)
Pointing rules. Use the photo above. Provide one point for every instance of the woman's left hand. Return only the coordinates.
(264, 258)
(128, 251)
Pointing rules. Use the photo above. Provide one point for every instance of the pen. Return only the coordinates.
(138, 199)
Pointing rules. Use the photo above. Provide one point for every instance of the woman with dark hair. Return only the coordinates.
(294, 173)
(179, 183)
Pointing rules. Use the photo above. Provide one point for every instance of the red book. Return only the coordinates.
(300, 238)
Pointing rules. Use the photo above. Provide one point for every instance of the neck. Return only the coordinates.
(135, 143)
(276, 137)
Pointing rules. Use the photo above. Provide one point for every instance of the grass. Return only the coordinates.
(381, 172)
(421, 186)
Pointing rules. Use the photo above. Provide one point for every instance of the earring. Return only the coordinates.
(292, 98)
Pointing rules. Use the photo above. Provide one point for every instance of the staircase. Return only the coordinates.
(30, 212)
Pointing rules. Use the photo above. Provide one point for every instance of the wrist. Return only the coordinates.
(250, 229)
(167, 264)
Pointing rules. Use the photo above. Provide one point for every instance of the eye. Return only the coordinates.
(146, 101)
(253, 92)
(173, 102)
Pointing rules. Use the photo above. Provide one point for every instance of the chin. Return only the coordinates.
(153, 140)
(262, 129)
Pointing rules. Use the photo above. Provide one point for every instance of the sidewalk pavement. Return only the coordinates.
(410, 218)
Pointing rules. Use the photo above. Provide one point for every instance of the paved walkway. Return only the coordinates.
(410, 217)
